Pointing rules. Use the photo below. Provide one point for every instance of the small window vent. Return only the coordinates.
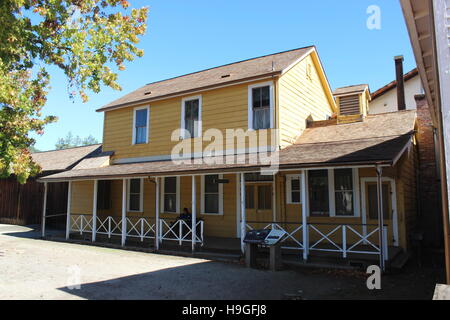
(147, 93)
(349, 105)
(226, 76)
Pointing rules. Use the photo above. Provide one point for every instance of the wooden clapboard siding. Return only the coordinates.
(301, 98)
(222, 109)
(82, 197)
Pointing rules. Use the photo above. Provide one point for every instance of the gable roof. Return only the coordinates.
(64, 159)
(393, 84)
(351, 89)
(246, 70)
(359, 143)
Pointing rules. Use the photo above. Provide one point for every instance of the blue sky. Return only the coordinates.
(187, 36)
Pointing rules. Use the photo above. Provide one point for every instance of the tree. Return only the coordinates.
(89, 40)
(70, 141)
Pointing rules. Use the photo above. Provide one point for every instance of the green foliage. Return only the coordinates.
(89, 40)
(70, 141)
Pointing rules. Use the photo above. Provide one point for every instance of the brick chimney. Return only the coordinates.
(401, 105)
(430, 219)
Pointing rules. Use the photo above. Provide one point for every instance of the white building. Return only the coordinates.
(385, 98)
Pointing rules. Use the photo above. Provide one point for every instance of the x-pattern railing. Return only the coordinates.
(179, 231)
(81, 223)
(326, 237)
(140, 228)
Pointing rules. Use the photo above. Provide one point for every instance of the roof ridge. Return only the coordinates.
(353, 140)
(88, 145)
(229, 64)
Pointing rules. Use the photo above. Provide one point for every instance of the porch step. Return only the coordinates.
(399, 261)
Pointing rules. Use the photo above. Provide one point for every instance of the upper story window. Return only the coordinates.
(140, 125)
(191, 117)
(260, 106)
(135, 194)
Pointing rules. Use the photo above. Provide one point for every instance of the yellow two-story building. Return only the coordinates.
(200, 159)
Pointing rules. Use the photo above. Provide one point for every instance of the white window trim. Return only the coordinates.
(133, 141)
(331, 195)
(250, 104)
(162, 208)
(141, 195)
(202, 197)
(289, 178)
(182, 122)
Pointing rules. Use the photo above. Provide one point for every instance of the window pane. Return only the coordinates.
(264, 197)
(344, 203)
(211, 185)
(170, 202)
(135, 202)
(212, 203)
(191, 117)
(295, 196)
(256, 96)
(318, 192)
(141, 118)
(170, 185)
(265, 99)
(249, 177)
(261, 118)
(141, 135)
(135, 185)
(249, 197)
(343, 179)
(189, 126)
(295, 184)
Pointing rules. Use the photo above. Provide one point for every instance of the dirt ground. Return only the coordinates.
(31, 268)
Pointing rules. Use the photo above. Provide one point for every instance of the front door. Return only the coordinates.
(258, 204)
(371, 210)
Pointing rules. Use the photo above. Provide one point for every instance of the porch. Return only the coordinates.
(146, 212)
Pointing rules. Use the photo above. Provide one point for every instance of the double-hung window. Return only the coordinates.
(140, 126)
(135, 195)
(343, 192)
(171, 194)
(260, 106)
(333, 192)
(293, 193)
(212, 194)
(191, 109)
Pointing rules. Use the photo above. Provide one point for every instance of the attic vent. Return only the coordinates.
(147, 93)
(225, 76)
(349, 105)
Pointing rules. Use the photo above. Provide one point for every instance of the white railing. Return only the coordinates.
(137, 227)
(291, 240)
(338, 238)
(142, 228)
(81, 223)
(179, 230)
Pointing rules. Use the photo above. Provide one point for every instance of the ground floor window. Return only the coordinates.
(332, 192)
(258, 196)
(104, 195)
(212, 194)
(293, 193)
(171, 195)
(135, 194)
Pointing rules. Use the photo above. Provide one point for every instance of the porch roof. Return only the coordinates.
(379, 139)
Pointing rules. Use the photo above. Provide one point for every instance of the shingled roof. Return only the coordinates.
(223, 75)
(393, 84)
(351, 89)
(378, 139)
(65, 159)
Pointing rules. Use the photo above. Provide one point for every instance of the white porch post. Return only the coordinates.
(69, 202)
(157, 214)
(194, 213)
(274, 201)
(304, 217)
(44, 209)
(243, 220)
(124, 211)
(94, 211)
(380, 215)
